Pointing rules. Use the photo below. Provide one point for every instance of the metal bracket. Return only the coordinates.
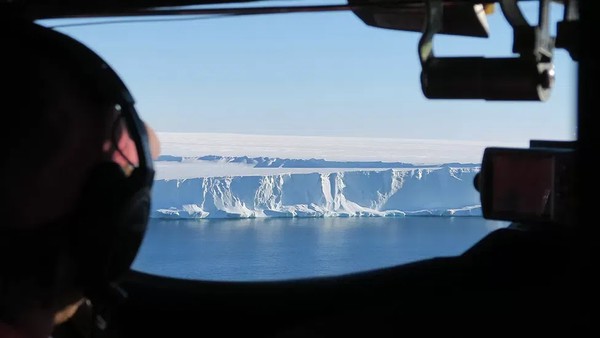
(568, 31)
(530, 41)
(530, 76)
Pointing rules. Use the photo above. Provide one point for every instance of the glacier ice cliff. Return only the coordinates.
(444, 190)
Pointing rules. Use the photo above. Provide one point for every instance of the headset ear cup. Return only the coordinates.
(98, 223)
(112, 223)
(133, 219)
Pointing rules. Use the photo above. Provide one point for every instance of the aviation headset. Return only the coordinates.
(102, 237)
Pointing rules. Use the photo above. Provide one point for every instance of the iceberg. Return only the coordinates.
(445, 190)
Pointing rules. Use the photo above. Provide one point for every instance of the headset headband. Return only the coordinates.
(108, 84)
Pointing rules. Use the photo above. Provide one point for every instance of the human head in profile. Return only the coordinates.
(71, 163)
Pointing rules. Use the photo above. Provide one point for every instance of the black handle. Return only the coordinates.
(487, 78)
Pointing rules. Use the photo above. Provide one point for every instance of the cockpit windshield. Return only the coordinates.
(301, 144)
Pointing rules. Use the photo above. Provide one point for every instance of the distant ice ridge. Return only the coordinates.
(444, 190)
(269, 162)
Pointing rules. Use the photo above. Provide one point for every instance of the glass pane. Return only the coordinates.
(301, 145)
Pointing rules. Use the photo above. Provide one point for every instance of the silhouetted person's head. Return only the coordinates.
(58, 127)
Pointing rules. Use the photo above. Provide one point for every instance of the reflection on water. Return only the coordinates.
(285, 248)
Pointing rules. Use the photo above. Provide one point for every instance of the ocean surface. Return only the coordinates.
(261, 249)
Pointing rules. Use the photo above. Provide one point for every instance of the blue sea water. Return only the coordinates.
(288, 248)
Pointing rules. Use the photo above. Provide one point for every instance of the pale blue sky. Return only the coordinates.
(315, 74)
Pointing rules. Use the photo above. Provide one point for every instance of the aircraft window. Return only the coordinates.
(301, 145)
